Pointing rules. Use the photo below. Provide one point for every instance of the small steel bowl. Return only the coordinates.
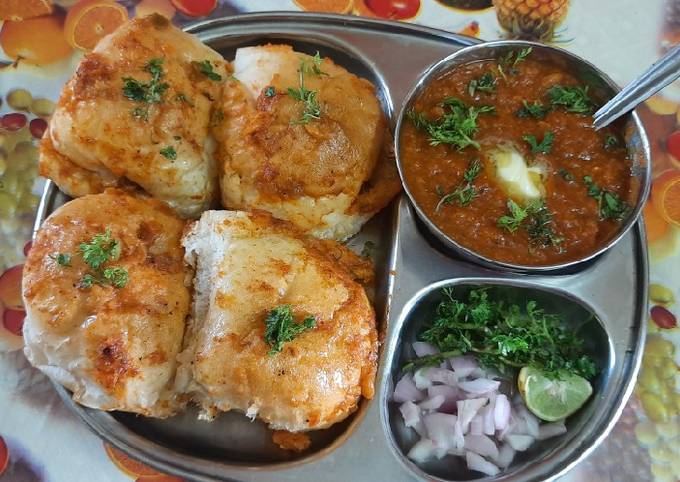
(602, 88)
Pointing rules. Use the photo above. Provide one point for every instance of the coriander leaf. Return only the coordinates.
(87, 281)
(418, 119)
(609, 204)
(542, 147)
(314, 67)
(270, 91)
(206, 68)
(535, 110)
(117, 276)
(457, 126)
(510, 60)
(486, 83)
(311, 108)
(566, 175)
(611, 141)
(146, 93)
(512, 221)
(216, 117)
(573, 99)
(62, 259)
(504, 333)
(465, 192)
(539, 225)
(280, 327)
(100, 249)
(169, 153)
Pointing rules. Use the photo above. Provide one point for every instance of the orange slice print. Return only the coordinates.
(666, 196)
(325, 6)
(129, 466)
(91, 20)
(20, 42)
(655, 225)
(17, 10)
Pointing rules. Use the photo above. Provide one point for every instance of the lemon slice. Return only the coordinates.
(552, 399)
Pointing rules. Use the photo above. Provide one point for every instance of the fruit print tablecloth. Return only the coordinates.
(41, 42)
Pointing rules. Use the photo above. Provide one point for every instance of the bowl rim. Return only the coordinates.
(450, 62)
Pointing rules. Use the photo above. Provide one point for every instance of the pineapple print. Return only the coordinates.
(531, 19)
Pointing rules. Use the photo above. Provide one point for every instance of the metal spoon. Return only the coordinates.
(655, 78)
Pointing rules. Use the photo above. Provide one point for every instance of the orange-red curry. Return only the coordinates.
(577, 217)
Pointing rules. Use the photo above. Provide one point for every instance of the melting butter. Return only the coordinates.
(519, 180)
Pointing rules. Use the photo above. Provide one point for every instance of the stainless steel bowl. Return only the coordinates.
(602, 89)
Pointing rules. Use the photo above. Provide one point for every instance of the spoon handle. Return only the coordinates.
(659, 75)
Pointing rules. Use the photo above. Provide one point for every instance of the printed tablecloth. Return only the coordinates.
(42, 41)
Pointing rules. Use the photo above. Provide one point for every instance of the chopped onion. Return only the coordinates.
(463, 365)
(489, 428)
(482, 445)
(423, 348)
(461, 412)
(505, 456)
(432, 403)
(441, 375)
(422, 451)
(458, 437)
(479, 386)
(440, 427)
(480, 464)
(467, 409)
(519, 442)
(530, 419)
(477, 425)
(406, 390)
(548, 430)
(501, 412)
(450, 395)
(420, 379)
(410, 413)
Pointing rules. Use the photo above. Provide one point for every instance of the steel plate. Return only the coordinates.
(392, 55)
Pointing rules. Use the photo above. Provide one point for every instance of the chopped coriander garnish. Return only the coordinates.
(281, 328)
(146, 93)
(216, 117)
(311, 107)
(206, 68)
(100, 249)
(539, 225)
(503, 334)
(513, 220)
(510, 61)
(62, 259)
(270, 91)
(87, 281)
(542, 147)
(486, 83)
(181, 97)
(609, 204)
(465, 192)
(117, 276)
(536, 110)
(315, 66)
(566, 175)
(611, 141)
(573, 99)
(535, 219)
(169, 153)
(457, 126)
